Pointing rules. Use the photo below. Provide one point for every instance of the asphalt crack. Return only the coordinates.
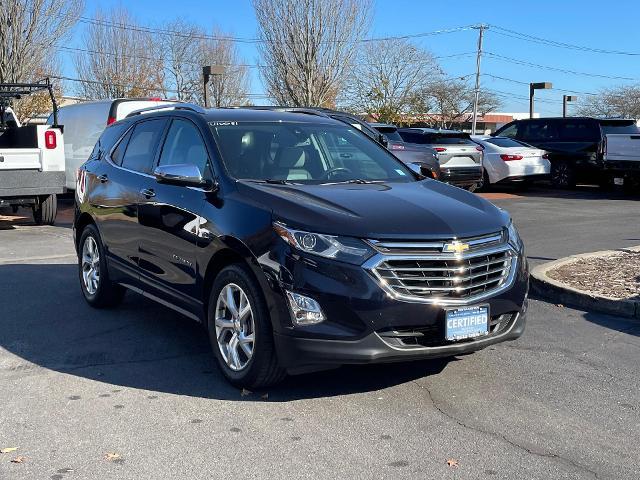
(502, 437)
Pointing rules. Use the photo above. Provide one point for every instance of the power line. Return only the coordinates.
(553, 43)
(519, 82)
(201, 36)
(556, 69)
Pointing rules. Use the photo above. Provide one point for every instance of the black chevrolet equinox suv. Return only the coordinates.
(297, 241)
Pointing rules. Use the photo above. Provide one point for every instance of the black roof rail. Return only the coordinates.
(177, 106)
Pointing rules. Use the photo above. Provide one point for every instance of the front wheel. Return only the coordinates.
(563, 175)
(240, 330)
(45, 210)
(97, 288)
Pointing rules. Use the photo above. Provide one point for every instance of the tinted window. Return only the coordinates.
(305, 153)
(538, 130)
(412, 137)
(617, 126)
(578, 130)
(510, 131)
(506, 142)
(391, 133)
(118, 152)
(143, 145)
(107, 140)
(184, 145)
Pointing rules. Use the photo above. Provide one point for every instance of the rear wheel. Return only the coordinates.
(45, 210)
(98, 290)
(563, 175)
(240, 330)
(485, 185)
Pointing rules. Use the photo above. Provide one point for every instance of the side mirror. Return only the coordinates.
(186, 175)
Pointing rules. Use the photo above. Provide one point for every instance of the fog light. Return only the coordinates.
(304, 310)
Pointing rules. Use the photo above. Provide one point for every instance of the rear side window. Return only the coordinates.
(143, 144)
(510, 131)
(538, 130)
(118, 153)
(107, 140)
(578, 130)
(184, 145)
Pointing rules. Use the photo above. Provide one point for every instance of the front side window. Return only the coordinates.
(184, 145)
(539, 131)
(143, 144)
(304, 153)
(510, 131)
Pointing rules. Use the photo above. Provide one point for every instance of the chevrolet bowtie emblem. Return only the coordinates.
(455, 247)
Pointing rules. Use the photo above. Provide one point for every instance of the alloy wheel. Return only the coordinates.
(235, 327)
(90, 265)
(561, 175)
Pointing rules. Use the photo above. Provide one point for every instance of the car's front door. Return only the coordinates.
(169, 216)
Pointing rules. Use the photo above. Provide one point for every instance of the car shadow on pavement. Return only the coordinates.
(46, 324)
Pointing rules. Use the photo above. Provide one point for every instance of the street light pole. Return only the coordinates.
(565, 99)
(476, 98)
(532, 88)
(207, 73)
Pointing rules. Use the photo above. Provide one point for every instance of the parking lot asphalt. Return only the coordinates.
(139, 382)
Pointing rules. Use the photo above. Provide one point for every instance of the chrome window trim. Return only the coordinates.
(374, 262)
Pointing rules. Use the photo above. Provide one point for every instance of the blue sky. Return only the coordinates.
(586, 23)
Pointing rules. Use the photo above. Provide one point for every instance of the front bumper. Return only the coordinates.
(365, 324)
(297, 352)
(461, 176)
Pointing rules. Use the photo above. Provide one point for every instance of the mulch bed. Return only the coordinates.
(616, 275)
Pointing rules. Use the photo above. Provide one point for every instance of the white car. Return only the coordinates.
(84, 123)
(508, 160)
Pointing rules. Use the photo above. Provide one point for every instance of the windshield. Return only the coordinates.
(617, 126)
(304, 153)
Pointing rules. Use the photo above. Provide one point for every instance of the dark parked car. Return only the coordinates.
(460, 157)
(295, 239)
(577, 147)
(420, 159)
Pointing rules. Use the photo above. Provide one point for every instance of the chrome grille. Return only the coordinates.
(453, 279)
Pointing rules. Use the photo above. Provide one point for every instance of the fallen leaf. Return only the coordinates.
(18, 460)
(112, 456)
(559, 305)
(245, 392)
(265, 396)
(8, 449)
(452, 462)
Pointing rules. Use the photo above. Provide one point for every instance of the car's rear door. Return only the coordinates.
(115, 193)
(170, 221)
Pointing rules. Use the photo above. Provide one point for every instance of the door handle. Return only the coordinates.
(148, 192)
(103, 178)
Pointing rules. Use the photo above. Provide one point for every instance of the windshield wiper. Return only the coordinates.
(272, 181)
(360, 181)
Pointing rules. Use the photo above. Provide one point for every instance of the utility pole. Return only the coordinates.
(476, 92)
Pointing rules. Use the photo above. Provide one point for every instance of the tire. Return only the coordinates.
(101, 292)
(261, 368)
(45, 210)
(485, 185)
(563, 175)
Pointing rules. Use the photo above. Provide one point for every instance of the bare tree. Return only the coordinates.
(29, 32)
(308, 47)
(623, 101)
(184, 72)
(452, 101)
(122, 63)
(388, 79)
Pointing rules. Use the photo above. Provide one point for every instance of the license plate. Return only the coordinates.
(467, 322)
(618, 181)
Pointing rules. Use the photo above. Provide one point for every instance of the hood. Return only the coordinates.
(414, 210)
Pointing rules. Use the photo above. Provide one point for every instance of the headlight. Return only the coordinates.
(346, 249)
(514, 237)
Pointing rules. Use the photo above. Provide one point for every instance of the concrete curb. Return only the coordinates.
(562, 293)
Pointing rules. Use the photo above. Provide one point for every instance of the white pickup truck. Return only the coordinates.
(622, 157)
(32, 168)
